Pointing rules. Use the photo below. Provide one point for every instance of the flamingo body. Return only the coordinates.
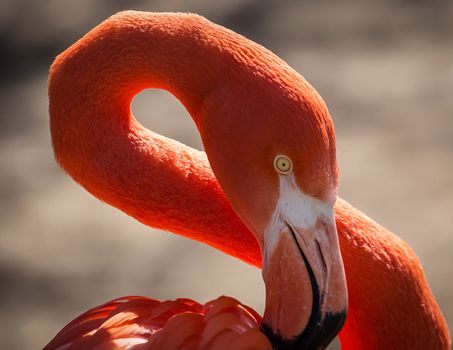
(145, 323)
(167, 185)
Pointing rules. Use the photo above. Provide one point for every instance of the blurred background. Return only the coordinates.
(385, 69)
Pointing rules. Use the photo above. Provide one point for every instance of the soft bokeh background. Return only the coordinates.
(385, 69)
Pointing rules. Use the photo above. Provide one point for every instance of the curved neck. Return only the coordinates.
(96, 139)
(391, 305)
(167, 185)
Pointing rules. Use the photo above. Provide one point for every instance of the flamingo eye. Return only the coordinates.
(283, 164)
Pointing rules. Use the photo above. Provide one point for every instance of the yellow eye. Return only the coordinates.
(283, 164)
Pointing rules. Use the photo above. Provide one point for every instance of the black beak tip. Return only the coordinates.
(314, 337)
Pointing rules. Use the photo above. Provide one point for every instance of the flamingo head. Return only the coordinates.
(272, 149)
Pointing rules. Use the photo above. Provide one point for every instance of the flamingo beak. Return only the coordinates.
(306, 295)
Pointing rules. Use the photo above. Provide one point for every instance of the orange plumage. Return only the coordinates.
(152, 324)
(167, 185)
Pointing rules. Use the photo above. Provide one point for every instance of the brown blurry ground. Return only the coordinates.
(385, 69)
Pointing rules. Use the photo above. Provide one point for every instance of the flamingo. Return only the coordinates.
(268, 194)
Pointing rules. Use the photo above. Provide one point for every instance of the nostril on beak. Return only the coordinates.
(321, 257)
